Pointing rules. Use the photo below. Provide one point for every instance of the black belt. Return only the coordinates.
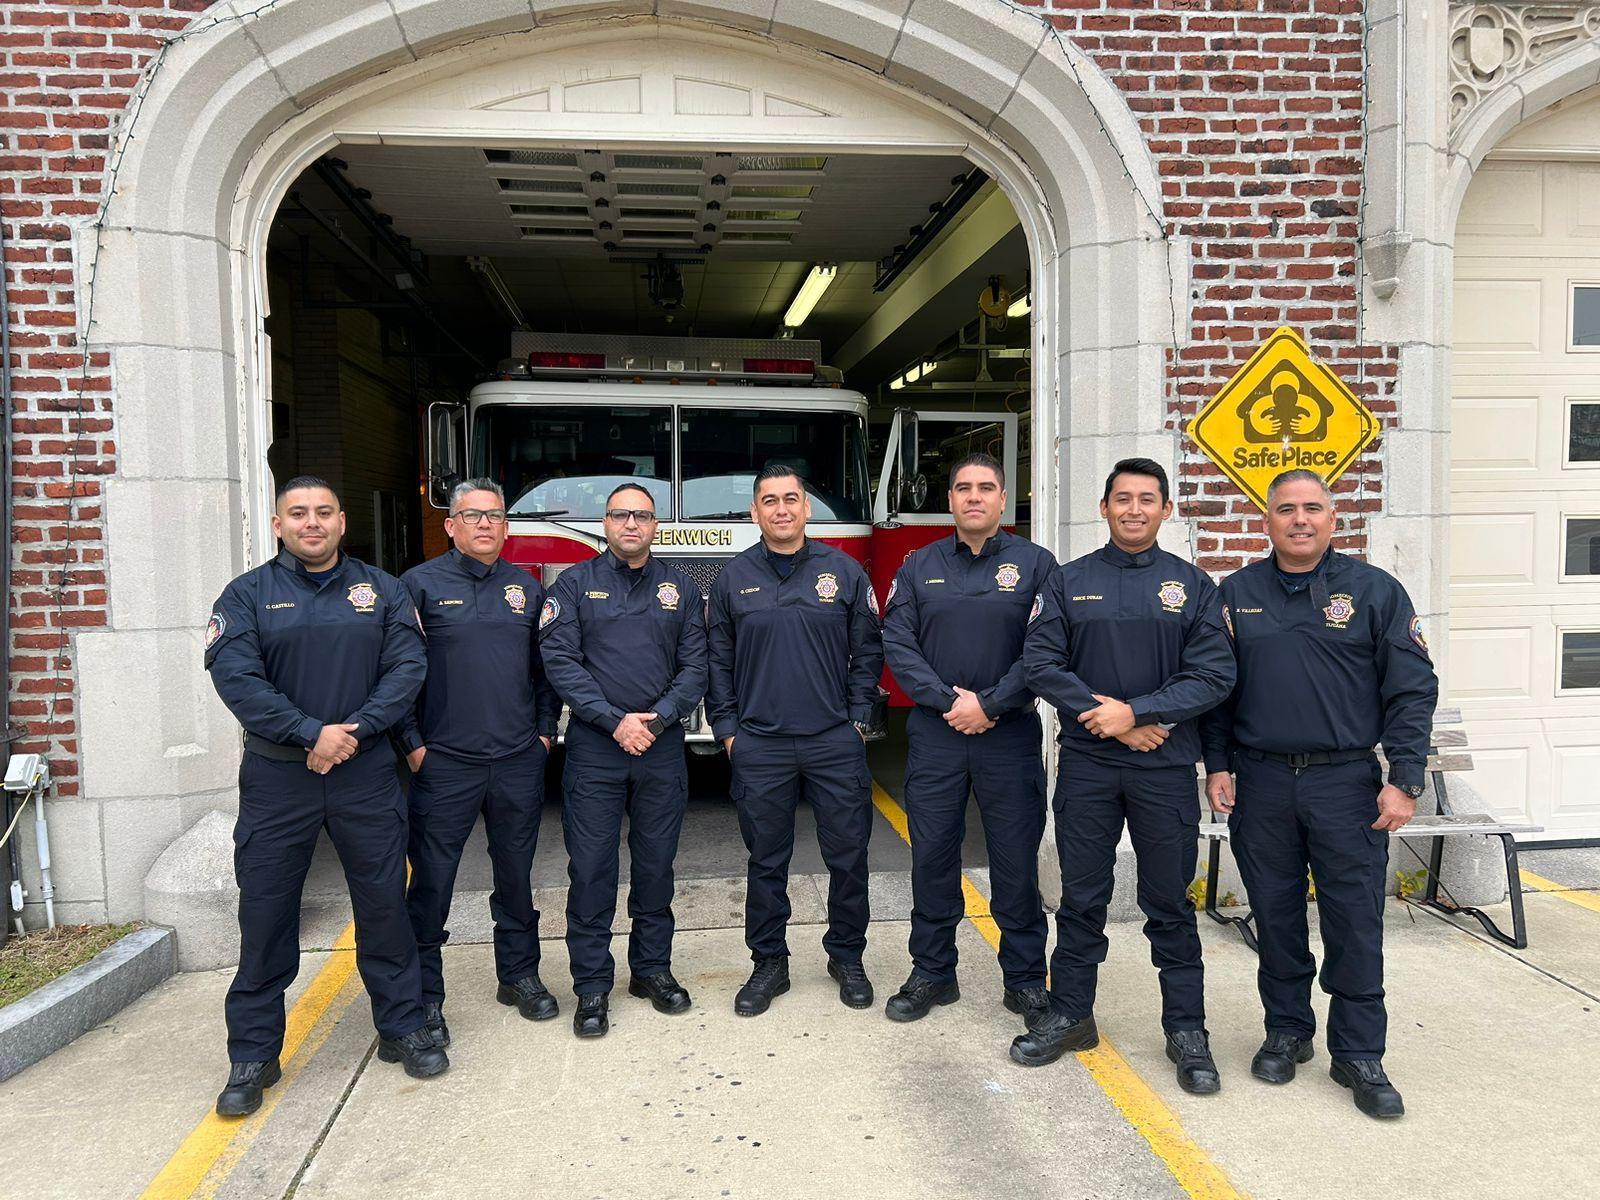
(1314, 758)
(278, 752)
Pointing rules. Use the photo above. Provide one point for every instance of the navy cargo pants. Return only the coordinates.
(447, 795)
(602, 781)
(1162, 809)
(283, 806)
(771, 773)
(1286, 823)
(1003, 768)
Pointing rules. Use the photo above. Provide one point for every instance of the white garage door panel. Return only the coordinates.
(1491, 663)
(1586, 201)
(1498, 316)
(1577, 770)
(1528, 230)
(1495, 433)
(1489, 550)
(1501, 774)
(1506, 200)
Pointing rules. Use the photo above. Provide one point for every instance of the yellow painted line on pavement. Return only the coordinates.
(1142, 1108)
(202, 1162)
(1561, 891)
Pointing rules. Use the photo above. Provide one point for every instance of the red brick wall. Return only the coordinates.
(1252, 109)
(67, 70)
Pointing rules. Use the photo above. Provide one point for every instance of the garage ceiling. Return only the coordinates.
(540, 217)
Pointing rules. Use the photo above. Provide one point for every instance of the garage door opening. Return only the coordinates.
(444, 311)
(564, 318)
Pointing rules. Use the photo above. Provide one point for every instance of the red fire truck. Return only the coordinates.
(692, 420)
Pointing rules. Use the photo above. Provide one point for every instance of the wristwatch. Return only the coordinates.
(1413, 789)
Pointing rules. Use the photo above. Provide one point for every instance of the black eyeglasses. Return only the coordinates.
(620, 515)
(476, 516)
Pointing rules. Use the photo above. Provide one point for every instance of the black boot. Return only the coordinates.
(246, 1082)
(917, 995)
(1028, 1003)
(416, 1052)
(1374, 1094)
(855, 989)
(662, 990)
(591, 1021)
(1274, 1062)
(1197, 1070)
(532, 998)
(770, 978)
(1050, 1036)
(433, 1014)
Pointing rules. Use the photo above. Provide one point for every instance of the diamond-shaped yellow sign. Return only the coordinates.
(1283, 410)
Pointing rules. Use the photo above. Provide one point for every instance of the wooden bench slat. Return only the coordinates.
(1425, 826)
(1447, 716)
(1449, 737)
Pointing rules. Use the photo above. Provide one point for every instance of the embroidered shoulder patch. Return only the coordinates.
(215, 628)
(1417, 636)
(894, 586)
(550, 611)
(872, 600)
(1038, 606)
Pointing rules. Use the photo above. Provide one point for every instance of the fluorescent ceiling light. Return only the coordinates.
(1020, 307)
(897, 383)
(818, 282)
(928, 368)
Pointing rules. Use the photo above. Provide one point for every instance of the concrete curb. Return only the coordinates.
(41, 1023)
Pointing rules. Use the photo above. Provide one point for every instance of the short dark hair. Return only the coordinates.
(305, 481)
(630, 487)
(777, 470)
(1138, 466)
(979, 459)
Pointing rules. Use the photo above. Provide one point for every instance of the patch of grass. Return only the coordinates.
(33, 960)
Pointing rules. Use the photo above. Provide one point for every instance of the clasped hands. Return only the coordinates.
(1111, 718)
(633, 733)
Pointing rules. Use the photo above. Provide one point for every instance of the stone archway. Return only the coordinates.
(242, 96)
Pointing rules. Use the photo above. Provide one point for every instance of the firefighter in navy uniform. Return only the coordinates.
(318, 656)
(1129, 645)
(477, 742)
(624, 643)
(1332, 661)
(953, 627)
(795, 656)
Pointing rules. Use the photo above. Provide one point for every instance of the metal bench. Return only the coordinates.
(1446, 755)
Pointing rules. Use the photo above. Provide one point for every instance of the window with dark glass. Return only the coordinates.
(1580, 659)
(1583, 432)
(567, 460)
(1582, 537)
(1586, 315)
(723, 449)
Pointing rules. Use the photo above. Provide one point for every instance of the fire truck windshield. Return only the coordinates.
(570, 458)
(722, 449)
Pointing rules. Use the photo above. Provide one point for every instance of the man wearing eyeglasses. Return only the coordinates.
(624, 642)
(477, 743)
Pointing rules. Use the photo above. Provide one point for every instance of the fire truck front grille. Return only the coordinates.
(702, 568)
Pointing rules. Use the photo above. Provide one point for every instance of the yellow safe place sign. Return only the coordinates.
(1283, 410)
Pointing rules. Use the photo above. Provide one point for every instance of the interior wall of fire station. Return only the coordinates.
(248, 100)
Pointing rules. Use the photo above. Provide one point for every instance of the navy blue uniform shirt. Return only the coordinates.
(617, 641)
(1143, 628)
(792, 655)
(957, 619)
(1339, 663)
(486, 696)
(290, 652)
